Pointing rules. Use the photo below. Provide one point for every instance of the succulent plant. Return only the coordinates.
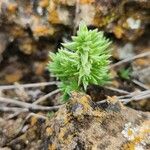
(83, 61)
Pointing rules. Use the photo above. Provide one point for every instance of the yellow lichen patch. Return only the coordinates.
(112, 100)
(132, 144)
(52, 147)
(27, 46)
(97, 113)
(145, 129)
(63, 115)
(54, 17)
(67, 119)
(112, 71)
(139, 136)
(118, 31)
(44, 3)
(86, 1)
(16, 31)
(62, 133)
(130, 132)
(100, 20)
(65, 2)
(33, 120)
(85, 102)
(43, 30)
(49, 131)
(40, 67)
(115, 83)
(137, 140)
(14, 77)
(64, 136)
(128, 146)
(12, 8)
(142, 62)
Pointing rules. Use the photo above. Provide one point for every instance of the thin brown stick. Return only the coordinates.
(31, 85)
(130, 59)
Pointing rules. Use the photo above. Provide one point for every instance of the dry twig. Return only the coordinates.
(130, 59)
(31, 85)
(13, 109)
(28, 105)
(41, 99)
(134, 96)
(140, 84)
(117, 90)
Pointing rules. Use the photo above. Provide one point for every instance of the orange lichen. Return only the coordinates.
(85, 102)
(17, 31)
(54, 17)
(27, 46)
(118, 31)
(52, 147)
(97, 113)
(62, 136)
(12, 8)
(112, 99)
(43, 30)
(14, 77)
(33, 121)
(65, 2)
(67, 119)
(44, 3)
(142, 62)
(86, 1)
(102, 20)
(40, 67)
(49, 131)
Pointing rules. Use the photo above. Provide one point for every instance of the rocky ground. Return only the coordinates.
(28, 31)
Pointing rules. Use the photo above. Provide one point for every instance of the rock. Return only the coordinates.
(9, 129)
(80, 124)
(32, 27)
(3, 43)
(41, 16)
(141, 70)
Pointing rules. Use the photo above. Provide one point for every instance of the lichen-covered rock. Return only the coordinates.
(33, 26)
(80, 124)
(122, 17)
